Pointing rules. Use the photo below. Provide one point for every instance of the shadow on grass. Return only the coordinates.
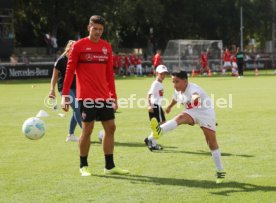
(226, 187)
(170, 149)
(204, 153)
(131, 144)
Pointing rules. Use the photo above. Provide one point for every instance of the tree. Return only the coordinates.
(129, 21)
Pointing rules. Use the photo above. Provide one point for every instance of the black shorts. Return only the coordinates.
(96, 111)
(158, 113)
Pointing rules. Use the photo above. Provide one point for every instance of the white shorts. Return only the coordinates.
(227, 64)
(234, 65)
(234, 70)
(205, 118)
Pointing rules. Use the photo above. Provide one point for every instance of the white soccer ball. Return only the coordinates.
(34, 128)
(101, 135)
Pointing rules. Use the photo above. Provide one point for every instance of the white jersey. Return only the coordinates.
(157, 92)
(185, 98)
(202, 113)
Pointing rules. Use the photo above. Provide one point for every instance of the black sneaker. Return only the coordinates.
(156, 147)
(148, 143)
(150, 147)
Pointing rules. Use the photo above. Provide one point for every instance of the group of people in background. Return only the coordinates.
(127, 64)
(234, 61)
(14, 59)
(131, 64)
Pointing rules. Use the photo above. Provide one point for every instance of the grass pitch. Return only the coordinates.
(46, 170)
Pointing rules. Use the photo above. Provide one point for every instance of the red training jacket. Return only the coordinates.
(93, 65)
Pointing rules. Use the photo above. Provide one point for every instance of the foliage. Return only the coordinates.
(129, 21)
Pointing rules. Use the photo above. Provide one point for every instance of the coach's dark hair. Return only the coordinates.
(97, 19)
(181, 74)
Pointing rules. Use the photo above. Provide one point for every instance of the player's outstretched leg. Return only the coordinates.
(158, 130)
(155, 127)
(211, 140)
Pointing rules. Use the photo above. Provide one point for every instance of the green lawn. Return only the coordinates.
(46, 170)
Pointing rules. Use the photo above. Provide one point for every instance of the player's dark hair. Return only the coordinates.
(97, 20)
(181, 74)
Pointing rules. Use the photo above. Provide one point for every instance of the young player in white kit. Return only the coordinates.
(155, 97)
(199, 110)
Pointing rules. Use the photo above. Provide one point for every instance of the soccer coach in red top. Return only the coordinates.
(90, 59)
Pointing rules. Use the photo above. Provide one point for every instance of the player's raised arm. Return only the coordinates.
(172, 104)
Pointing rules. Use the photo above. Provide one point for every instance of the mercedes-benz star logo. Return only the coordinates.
(88, 57)
(3, 73)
